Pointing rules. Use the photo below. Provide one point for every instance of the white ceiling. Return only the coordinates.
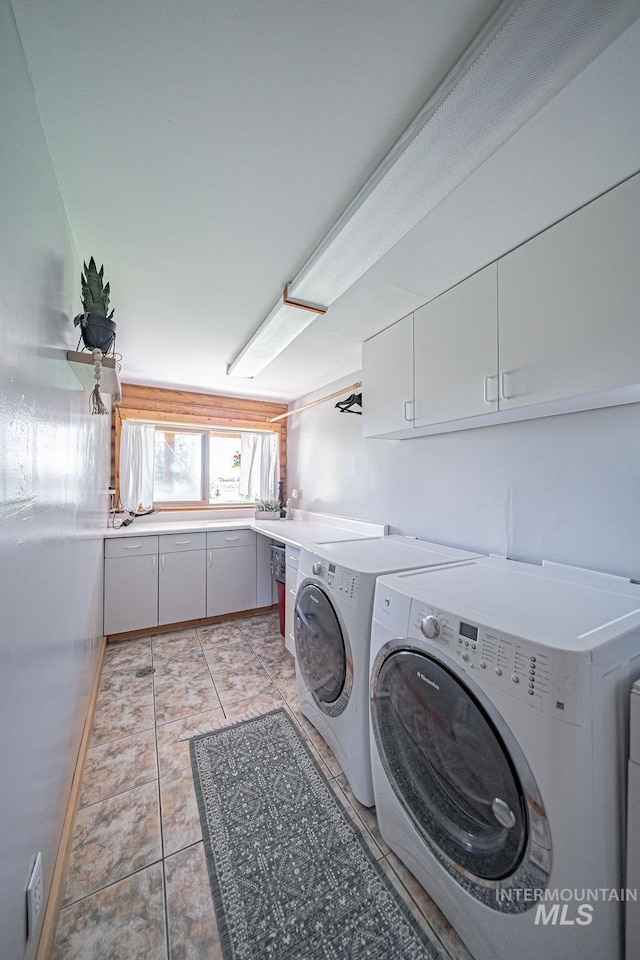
(204, 148)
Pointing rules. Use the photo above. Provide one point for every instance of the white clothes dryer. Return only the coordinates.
(499, 716)
(334, 603)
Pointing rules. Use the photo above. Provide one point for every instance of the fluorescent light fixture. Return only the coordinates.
(287, 319)
(528, 51)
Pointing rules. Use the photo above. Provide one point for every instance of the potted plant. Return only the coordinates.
(267, 509)
(96, 326)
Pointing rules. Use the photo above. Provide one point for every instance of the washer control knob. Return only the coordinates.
(465, 657)
(316, 569)
(430, 627)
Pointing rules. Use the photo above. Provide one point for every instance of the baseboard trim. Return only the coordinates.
(54, 900)
(186, 624)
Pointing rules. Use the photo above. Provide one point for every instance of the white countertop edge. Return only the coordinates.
(303, 529)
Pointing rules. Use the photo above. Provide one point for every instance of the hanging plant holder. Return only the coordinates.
(97, 332)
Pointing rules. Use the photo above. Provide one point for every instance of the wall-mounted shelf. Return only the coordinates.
(82, 365)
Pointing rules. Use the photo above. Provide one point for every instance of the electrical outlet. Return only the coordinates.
(35, 896)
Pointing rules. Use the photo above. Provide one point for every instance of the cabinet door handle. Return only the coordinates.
(232, 538)
(503, 383)
(210, 558)
(154, 561)
(407, 404)
(182, 543)
(487, 381)
(132, 546)
(162, 563)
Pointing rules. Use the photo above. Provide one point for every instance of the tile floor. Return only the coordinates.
(137, 885)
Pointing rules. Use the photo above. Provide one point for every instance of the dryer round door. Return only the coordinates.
(322, 649)
(459, 774)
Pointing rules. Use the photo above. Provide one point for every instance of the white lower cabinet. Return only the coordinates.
(130, 584)
(231, 572)
(182, 588)
(152, 581)
(292, 560)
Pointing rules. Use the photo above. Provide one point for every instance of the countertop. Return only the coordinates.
(297, 532)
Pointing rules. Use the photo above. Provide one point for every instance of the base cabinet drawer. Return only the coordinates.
(130, 593)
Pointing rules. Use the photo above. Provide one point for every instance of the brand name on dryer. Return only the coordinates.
(431, 683)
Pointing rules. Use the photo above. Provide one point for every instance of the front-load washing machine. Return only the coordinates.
(499, 714)
(334, 602)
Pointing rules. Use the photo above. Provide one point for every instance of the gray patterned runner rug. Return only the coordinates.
(291, 877)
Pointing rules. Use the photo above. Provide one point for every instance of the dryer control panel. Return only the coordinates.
(540, 676)
(344, 584)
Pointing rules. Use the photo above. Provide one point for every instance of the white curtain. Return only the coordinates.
(259, 468)
(137, 445)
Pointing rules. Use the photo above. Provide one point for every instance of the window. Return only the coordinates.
(201, 467)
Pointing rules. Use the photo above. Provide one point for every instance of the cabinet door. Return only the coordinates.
(456, 352)
(387, 380)
(231, 580)
(183, 585)
(568, 302)
(130, 593)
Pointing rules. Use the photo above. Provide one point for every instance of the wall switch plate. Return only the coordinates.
(35, 896)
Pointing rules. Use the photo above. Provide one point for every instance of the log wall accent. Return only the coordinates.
(200, 409)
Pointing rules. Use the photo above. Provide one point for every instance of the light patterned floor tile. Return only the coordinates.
(122, 717)
(166, 646)
(118, 765)
(282, 670)
(265, 625)
(221, 633)
(193, 932)
(113, 838)
(268, 647)
(173, 739)
(180, 816)
(251, 682)
(253, 706)
(177, 698)
(124, 682)
(125, 921)
(230, 658)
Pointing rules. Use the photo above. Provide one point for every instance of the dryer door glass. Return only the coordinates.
(320, 646)
(448, 765)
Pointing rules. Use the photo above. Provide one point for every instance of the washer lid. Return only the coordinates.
(537, 603)
(386, 554)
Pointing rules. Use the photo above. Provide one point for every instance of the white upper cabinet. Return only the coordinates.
(387, 380)
(456, 352)
(552, 327)
(568, 305)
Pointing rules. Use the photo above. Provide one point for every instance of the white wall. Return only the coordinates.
(565, 488)
(53, 480)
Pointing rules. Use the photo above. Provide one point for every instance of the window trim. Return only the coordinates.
(207, 424)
